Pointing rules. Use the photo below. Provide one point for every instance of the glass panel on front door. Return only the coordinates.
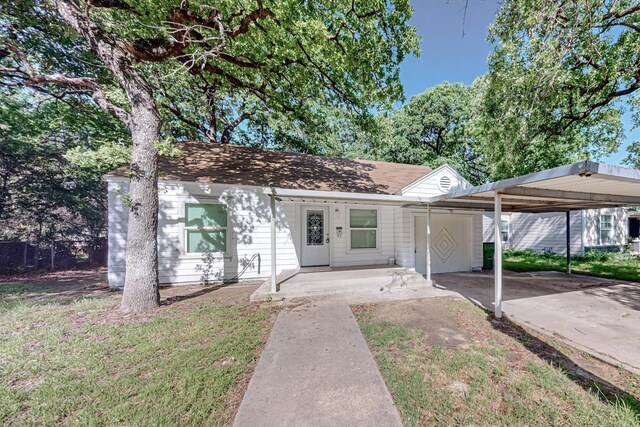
(315, 228)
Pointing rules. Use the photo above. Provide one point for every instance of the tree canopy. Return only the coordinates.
(558, 75)
(274, 66)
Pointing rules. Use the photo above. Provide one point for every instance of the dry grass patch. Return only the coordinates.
(447, 362)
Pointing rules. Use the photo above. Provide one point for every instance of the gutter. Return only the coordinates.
(340, 195)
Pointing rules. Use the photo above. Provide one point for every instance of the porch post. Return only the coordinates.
(274, 282)
(568, 242)
(429, 244)
(497, 256)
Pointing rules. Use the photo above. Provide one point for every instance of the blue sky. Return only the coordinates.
(447, 56)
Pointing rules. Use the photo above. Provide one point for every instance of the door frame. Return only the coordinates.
(302, 235)
(470, 243)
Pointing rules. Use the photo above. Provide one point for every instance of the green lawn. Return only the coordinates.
(492, 374)
(79, 361)
(601, 264)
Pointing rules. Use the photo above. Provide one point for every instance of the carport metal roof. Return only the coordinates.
(582, 185)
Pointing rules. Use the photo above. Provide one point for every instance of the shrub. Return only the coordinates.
(595, 255)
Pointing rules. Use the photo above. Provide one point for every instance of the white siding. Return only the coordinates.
(539, 232)
(404, 238)
(249, 234)
(405, 255)
(619, 221)
(429, 185)
(548, 230)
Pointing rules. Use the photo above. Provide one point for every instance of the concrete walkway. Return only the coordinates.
(317, 370)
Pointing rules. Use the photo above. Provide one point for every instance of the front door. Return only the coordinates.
(315, 236)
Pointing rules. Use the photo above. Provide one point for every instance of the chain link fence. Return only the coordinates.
(17, 256)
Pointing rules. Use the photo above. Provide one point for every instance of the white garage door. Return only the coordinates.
(450, 243)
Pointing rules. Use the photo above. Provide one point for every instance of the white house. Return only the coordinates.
(605, 229)
(216, 203)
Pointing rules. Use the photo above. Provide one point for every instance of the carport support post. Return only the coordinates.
(568, 242)
(274, 282)
(497, 256)
(429, 244)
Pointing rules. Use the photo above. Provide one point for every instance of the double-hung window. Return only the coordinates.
(606, 229)
(363, 227)
(205, 228)
(504, 230)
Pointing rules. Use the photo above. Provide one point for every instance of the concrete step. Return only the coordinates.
(340, 281)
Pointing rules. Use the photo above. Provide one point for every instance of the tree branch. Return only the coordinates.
(33, 78)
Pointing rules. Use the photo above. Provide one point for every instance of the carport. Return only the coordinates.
(579, 186)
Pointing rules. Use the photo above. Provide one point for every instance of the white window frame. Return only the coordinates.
(377, 229)
(610, 229)
(508, 230)
(186, 228)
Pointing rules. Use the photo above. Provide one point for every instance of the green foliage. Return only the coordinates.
(595, 256)
(613, 265)
(434, 128)
(301, 77)
(51, 161)
(556, 74)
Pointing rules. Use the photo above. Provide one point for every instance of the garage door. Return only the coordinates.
(450, 243)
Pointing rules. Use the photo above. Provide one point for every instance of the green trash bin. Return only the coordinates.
(488, 250)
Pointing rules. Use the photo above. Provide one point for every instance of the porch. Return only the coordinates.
(312, 281)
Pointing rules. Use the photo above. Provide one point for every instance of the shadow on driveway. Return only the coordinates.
(600, 316)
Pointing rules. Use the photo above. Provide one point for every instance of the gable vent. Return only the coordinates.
(445, 183)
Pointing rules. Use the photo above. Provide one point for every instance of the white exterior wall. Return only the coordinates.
(619, 221)
(539, 232)
(249, 234)
(405, 224)
(429, 185)
(249, 231)
(548, 230)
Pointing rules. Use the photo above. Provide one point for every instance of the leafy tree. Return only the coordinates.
(435, 127)
(557, 72)
(47, 190)
(284, 55)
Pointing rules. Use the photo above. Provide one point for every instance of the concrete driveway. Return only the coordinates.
(600, 316)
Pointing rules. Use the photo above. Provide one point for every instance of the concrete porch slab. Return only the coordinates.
(328, 281)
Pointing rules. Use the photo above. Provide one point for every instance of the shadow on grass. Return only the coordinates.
(13, 304)
(607, 392)
(206, 289)
(17, 288)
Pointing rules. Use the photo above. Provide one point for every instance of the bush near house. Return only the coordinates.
(612, 265)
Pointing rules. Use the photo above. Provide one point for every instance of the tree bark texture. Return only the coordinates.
(141, 281)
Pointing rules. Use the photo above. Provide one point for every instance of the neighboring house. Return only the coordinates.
(604, 229)
(215, 215)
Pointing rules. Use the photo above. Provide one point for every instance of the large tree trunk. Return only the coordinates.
(141, 280)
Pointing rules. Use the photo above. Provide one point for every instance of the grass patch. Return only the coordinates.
(601, 264)
(492, 379)
(79, 361)
(17, 289)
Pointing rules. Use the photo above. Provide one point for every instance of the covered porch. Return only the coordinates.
(314, 281)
